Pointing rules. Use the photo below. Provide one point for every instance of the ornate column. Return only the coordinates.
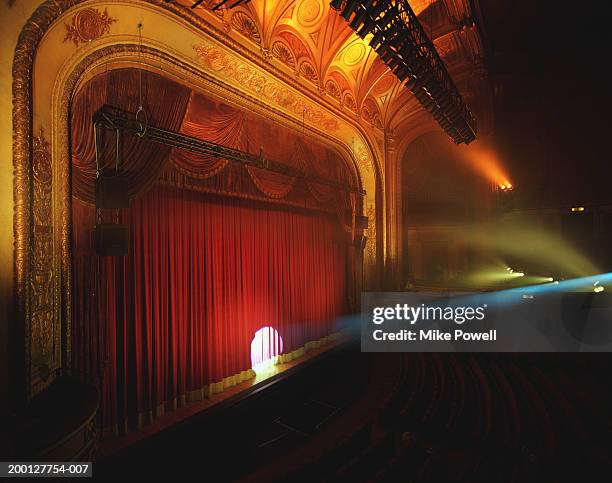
(393, 210)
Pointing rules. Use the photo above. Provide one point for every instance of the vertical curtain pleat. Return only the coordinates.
(174, 320)
(201, 277)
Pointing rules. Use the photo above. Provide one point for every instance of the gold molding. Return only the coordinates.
(87, 25)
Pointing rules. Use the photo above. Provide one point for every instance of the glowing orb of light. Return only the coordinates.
(265, 346)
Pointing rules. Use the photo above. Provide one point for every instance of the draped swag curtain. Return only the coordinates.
(173, 321)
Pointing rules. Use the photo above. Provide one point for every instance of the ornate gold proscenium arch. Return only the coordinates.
(51, 59)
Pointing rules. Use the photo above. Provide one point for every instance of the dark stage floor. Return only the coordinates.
(349, 416)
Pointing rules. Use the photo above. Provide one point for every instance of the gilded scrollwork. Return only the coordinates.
(42, 269)
(87, 25)
(283, 53)
(370, 233)
(244, 24)
(218, 60)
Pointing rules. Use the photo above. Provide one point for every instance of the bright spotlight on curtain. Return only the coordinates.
(202, 276)
(173, 321)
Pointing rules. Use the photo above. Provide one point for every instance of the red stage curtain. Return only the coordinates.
(174, 320)
(165, 103)
(210, 121)
(203, 274)
(173, 106)
(274, 185)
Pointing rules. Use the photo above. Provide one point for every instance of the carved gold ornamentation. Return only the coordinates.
(332, 89)
(42, 276)
(309, 12)
(308, 71)
(370, 232)
(363, 159)
(296, 45)
(246, 26)
(354, 54)
(87, 25)
(25, 201)
(273, 91)
(349, 102)
(371, 113)
(210, 4)
(385, 83)
(447, 48)
(283, 53)
(340, 80)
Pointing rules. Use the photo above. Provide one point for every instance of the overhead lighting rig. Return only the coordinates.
(119, 120)
(401, 42)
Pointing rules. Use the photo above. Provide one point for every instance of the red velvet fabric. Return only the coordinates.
(204, 272)
(172, 106)
(140, 161)
(202, 276)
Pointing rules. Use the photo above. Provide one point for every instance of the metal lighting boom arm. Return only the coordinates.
(115, 119)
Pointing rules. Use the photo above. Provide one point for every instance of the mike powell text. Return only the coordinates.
(414, 314)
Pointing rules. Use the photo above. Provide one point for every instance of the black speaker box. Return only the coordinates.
(111, 239)
(112, 192)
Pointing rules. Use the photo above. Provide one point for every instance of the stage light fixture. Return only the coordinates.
(336, 4)
(413, 83)
(435, 89)
(408, 52)
(376, 39)
(445, 103)
(348, 10)
(366, 28)
(370, 21)
(360, 15)
(428, 105)
(402, 73)
(384, 53)
(395, 62)
(381, 49)
(392, 35)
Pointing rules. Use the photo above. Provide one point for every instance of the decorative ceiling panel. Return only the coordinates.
(310, 38)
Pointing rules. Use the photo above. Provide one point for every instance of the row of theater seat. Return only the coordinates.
(461, 417)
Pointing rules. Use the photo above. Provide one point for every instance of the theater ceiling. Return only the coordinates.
(311, 42)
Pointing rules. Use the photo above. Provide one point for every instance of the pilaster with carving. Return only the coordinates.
(393, 210)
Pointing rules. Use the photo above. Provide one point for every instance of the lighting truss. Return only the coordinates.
(401, 42)
(118, 120)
